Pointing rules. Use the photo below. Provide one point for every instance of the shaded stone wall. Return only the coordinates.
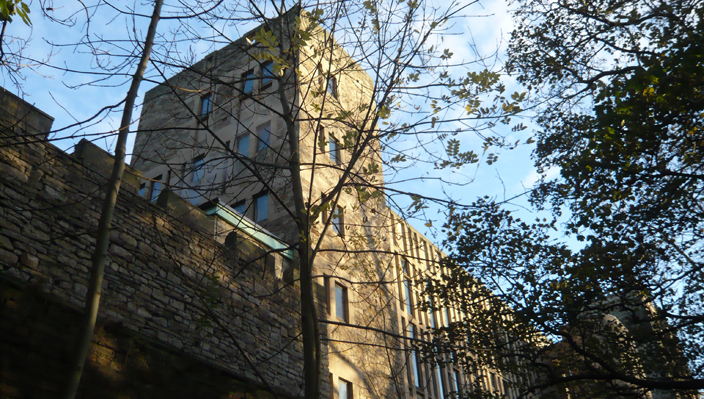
(169, 284)
(37, 337)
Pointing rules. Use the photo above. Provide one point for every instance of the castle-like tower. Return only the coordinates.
(224, 132)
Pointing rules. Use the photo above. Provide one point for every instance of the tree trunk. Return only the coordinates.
(103, 236)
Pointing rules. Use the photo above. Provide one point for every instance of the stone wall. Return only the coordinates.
(37, 337)
(171, 291)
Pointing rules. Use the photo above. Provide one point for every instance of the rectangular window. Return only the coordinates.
(433, 323)
(332, 87)
(407, 286)
(341, 302)
(156, 188)
(261, 207)
(414, 364)
(197, 170)
(248, 82)
(206, 105)
(456, 381)
(240, 207)
(142, 189)
(441, 383)
(334, 151)
(344, 389)
(263, 135)
(267, 73)
(337, 222)
(242, 144)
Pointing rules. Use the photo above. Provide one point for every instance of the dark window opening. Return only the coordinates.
(334, 152)
(156, 188)
(344, 389)
(332, 87)
(248, 82)
(263, 136)
(242, 144)
(206, 105)
(240, 207)
(261, 207)
(267, 73)
(341, 310)
(337, 221)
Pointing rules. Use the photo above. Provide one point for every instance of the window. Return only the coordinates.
(407, 286)
(415, 361)
(267, 73)
(248, 82)
(197, 170)
(242, 144)
(344, 389)
(332, 86)
(263, 134)
(240, 207)
(142, 189)
(433, 322)
(337, 221)
(206, 105)
(334, 151)
(456, 381)
(261, 207)
(156, 188)
(441, 383)
(494, 384)
(341, 302)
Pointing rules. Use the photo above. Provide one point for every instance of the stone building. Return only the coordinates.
(201, 298)
(220, 134)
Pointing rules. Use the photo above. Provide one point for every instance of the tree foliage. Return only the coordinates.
(618, 87)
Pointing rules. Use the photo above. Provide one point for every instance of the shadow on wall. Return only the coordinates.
(37, 334)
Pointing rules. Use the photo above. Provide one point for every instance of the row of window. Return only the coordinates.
(263, 137)
(443, 380)
(421, 375)
(259, 204)
(266, 75)
(264, 78)
(249, 78)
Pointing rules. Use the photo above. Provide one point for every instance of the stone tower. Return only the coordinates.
(224, 131)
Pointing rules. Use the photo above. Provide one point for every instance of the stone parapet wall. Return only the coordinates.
(167, 281)
(22, 118)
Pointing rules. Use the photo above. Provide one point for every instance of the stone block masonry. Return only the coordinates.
(175, 299)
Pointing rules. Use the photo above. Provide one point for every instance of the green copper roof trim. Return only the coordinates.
(242, 223)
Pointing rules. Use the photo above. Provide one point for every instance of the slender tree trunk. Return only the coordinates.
(309, 317)
(312, 356)
(103, 237)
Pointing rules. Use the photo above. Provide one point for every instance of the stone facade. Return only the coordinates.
(201, 134)
(179, 283)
